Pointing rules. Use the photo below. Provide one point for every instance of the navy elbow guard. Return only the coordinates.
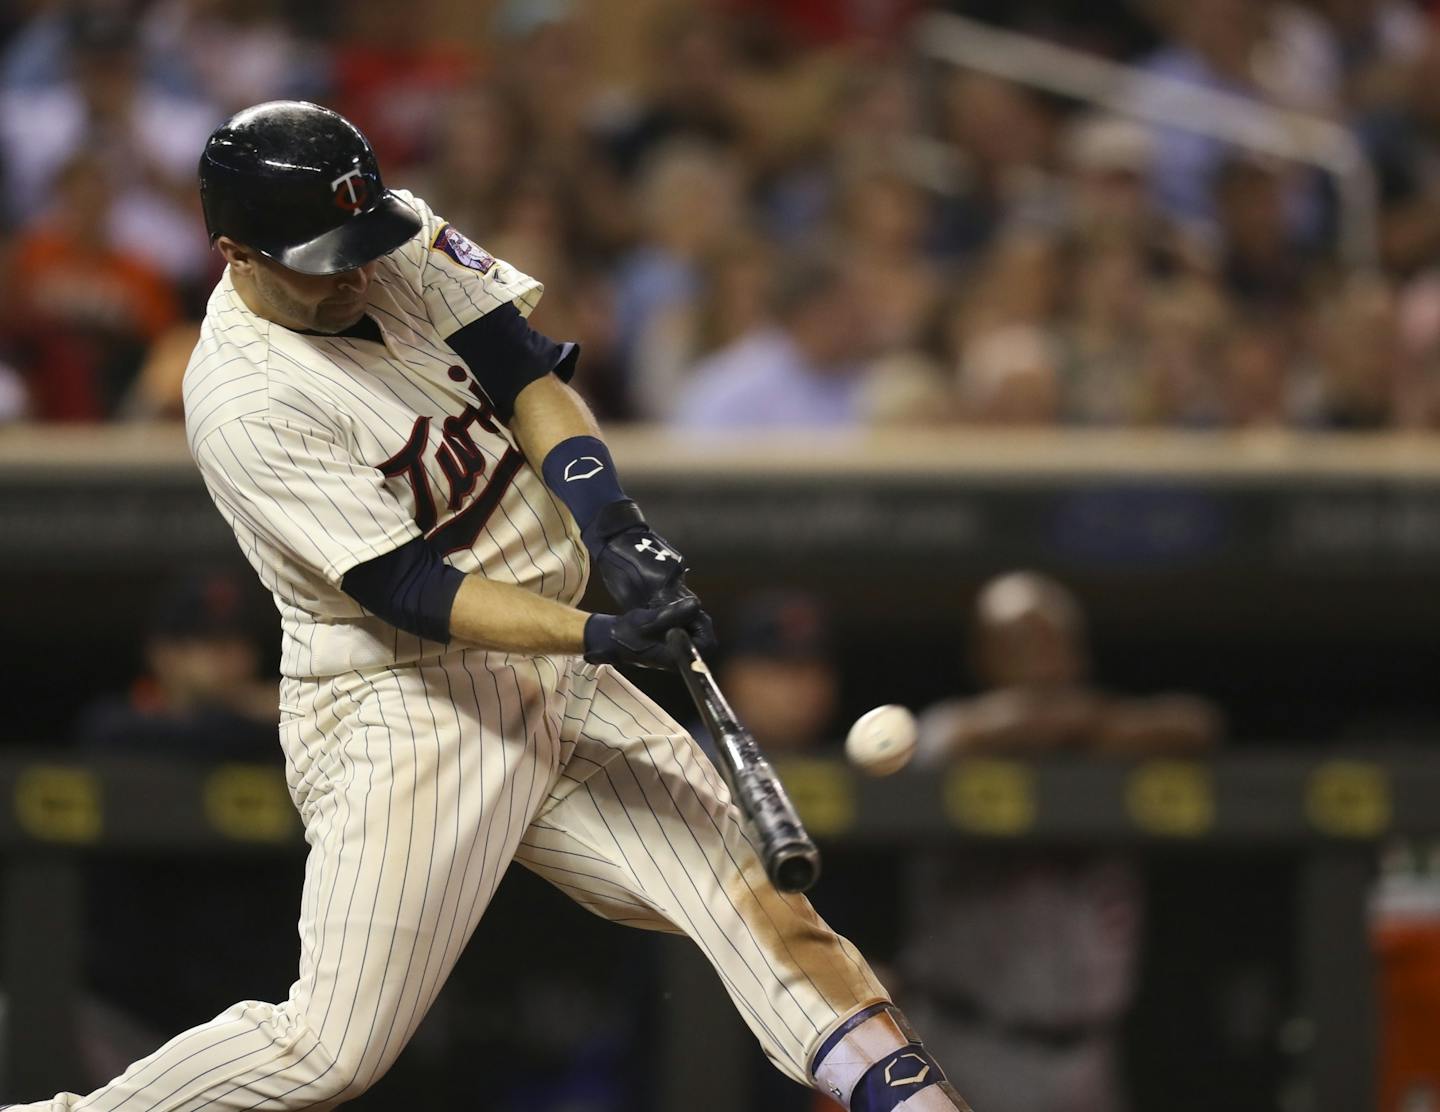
(411, 587)
(506, 355)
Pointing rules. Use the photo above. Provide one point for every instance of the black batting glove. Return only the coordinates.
(637, 565)
(640, 568)
(638, 636)
(700, 628)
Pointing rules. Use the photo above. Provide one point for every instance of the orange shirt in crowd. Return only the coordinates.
(75, 309)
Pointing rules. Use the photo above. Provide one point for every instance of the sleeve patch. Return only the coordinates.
(462, 250)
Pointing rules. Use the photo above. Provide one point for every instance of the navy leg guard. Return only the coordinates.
(874, 1062)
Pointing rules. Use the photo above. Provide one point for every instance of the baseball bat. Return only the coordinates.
(791, 859)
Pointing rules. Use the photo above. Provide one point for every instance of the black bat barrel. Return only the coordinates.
(791, 859)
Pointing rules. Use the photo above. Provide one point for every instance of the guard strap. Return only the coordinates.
(874, 1062)
(896, 1078)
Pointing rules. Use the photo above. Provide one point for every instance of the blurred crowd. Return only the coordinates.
(765, 212)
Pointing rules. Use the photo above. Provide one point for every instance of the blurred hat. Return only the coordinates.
(781, 626)
(201, 606)
(1096, 144)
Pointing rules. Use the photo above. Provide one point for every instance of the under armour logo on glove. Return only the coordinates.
(661, 552)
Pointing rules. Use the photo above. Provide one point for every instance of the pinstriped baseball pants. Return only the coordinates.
(417, 786)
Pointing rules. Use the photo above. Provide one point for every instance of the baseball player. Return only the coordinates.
(406, 469)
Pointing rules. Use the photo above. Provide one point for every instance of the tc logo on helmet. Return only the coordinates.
(351, 190)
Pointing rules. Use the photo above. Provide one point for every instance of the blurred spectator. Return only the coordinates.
(1103, 335)
(1005, 332)
(1364, 380)
(1023, 281)
(871, 129)
(734, 280)
(550, 76)
(38, 55)
(1358, 48)
(1022, 966)
(1004, 136)
(1255, 375)
(779, 671)
(158, 391)
(689, 199)
(202, 694)
(1011, 376)
(1230, 46)
(202, 699)
(1185, 329)
(142, 135)
(1107, 161)
(392, 75)
(475, 162)
(82, 310)
(1402, 133)
(689, 92)
(1259, 264)
(804, 371)
(907, 388)
(241, 52)
(883, 221)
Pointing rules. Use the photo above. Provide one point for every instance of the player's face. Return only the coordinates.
(319, 302)
(316, 302)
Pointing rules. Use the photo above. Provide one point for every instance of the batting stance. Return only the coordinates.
(404, 465)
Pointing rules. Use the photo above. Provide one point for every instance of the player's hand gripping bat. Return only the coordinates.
(790, 856)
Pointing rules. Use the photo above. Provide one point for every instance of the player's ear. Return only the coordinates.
(240, 257)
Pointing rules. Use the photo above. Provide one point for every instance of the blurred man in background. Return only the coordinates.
(803, 371)
(1024, 964)
(780, 673)
(108, 99)
(83, 310)
(202, 696)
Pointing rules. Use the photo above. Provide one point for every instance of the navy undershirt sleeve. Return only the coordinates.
(506, 355)
(411, 587)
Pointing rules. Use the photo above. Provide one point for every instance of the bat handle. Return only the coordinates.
(681, 647)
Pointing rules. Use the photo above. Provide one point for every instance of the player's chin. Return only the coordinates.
(338, 316)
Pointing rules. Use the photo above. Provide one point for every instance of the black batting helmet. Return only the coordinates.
(300, 184)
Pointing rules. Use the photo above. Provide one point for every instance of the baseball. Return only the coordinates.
(882, 740)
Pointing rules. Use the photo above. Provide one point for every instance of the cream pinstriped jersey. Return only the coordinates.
(323, 452)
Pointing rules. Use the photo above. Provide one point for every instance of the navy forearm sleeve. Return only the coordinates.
(411, 587)
(582, 475)
(506, 355)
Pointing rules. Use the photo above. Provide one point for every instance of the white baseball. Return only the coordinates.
(882, 740)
